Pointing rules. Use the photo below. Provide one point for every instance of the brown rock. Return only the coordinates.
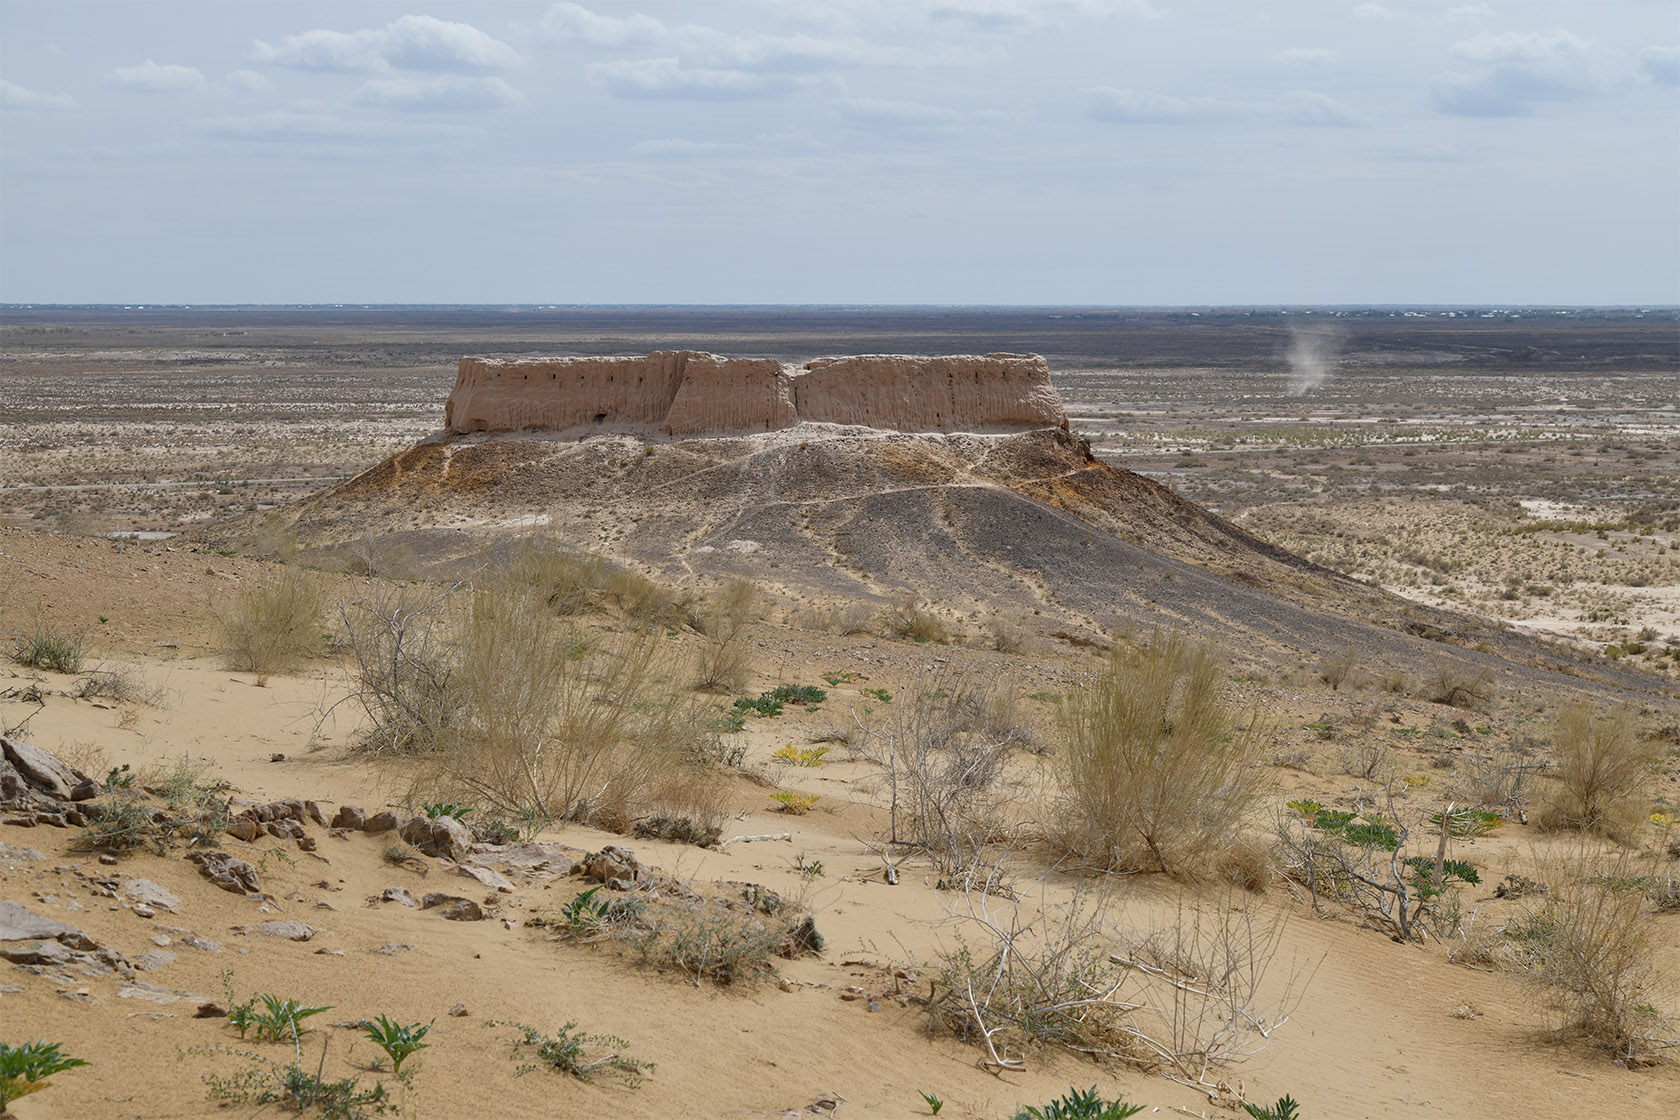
(452, 906)
(43, 771)
(227, 872)
(381, 822)
(244, 828)
(348, 816)
(443, 837)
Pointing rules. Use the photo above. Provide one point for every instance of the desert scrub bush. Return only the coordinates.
(123, 683)
(1335, 670)
(1159, 774)
(942, 752)
(798, 804)
(271, 627)
(1587, 944)
(1081, 1104)
(584, 1056)
(45, 646)
(1458, 685)
(723, 940)
(800, 756)
(1604, 772)
(720, 665)
(908, 619)
(1184, 999)
(27, 1068)
(405, 669)
(194, 807)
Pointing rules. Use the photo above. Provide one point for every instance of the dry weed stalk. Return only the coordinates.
(942, 748)
(1604, 769)
(1184, 1000)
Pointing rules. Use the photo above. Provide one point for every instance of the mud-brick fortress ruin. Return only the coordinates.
(687, 394)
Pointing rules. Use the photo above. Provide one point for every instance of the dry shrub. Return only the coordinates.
(1497, 780)
(1184, 999)
(907, 619)
(721, 664)
(1604, 769)
(1458, 685)
(1247, 863)
(942, 747)
(1159, 774)
(1007, 634)
(1334, 671)
(839, 618)
(1588, 946)
(721, 940)
(406, 662)
(271, 627)
(553, 725)
(569, 584)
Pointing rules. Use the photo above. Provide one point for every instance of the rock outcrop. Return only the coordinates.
(685, 393)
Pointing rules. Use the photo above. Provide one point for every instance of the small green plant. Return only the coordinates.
(880, 694)
(46, 647)
(1081, 1104)
(1284, 1109)
(811, 756)
(398, 1040)
(280, 1019)
(810, 869)
(797, 694)
(764, 705)
(25, 1069)
(293, 1087)
(571, 1051)
(1468, 821)
(120, 777)
(455, 809)
(585, 915)
(796, 803)
(1366, 832)
(833, 679)
(933, 1100)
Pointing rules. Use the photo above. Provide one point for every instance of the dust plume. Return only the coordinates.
(1312, 357)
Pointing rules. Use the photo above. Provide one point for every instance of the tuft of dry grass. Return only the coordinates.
(721, 664)
(1459, 685)
(908, 619)
(1604, 769)
(271, 627)
(1159, 773)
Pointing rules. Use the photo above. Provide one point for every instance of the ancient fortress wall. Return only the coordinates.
(689, 393)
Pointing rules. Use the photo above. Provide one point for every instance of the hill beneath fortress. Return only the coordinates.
(951, 480)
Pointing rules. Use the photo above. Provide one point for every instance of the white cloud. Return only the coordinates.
(421, 43)
(248, 80)
(1468, 13)
(1661, 64)
(282, 127)
(1374, 11)
(1299, 107)
(1303, 56)
(446, 94)
(1519, 70)
(1012, 14)
(150, 77)
(574, 21)
(686, 148)
(14, 96)
(669, 78)
(904, 117)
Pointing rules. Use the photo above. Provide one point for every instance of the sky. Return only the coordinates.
(1105, 152)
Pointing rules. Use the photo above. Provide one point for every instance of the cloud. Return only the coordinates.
(1661, 64)
(14, 96)
(686, 148)
(1298, 107)
(903, 117)
(446, 94)
(1303, 56)
(421, 43)
(1468, 13)
(149, 77)
(283, 127)
(669, 78)
(248, 80)
(1374, 11)
(574, 21)
(996, 15)
(1519, 70)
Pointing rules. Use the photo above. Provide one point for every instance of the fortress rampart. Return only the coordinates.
(689, 393)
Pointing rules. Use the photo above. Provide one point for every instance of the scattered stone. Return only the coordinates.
(615, 865)
(306, 843)
(1516, 886)
(244, 829)
(313, 812)
(443, 837)
(147, 893)
(8, 990)
(9, 854)
(160, 940)
(459, 1011)
(453, 907)
(488, 876)
(141, 910)
(210, 1010)
(44, 772)
(290, 929)
(381, 822)
(325, 952)
(397, 894)
(533, 858)
(277, 757)
(392, 948)
(227, 872)
(149, 992)
(349, 817)
(156, 958)
(108, 859)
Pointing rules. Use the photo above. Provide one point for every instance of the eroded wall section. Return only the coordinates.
(689, 393)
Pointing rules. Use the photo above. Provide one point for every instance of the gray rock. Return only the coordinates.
(145, 892)
(9, 854)
(227, 872)
(157, 958)
(488, 876)
(397, 894)
(443, 837)
(289, 929)
(453, 907)
(381, 822)
(43, 771)
(19, 923)
(392, 948)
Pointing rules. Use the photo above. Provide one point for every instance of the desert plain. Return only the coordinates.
(1484, 498)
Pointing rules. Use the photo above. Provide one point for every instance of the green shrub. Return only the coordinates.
(46, 647)
(26, 1068)
(581, 1055)
(1285, 1109)
(1081, 1104)
(398, 1040)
